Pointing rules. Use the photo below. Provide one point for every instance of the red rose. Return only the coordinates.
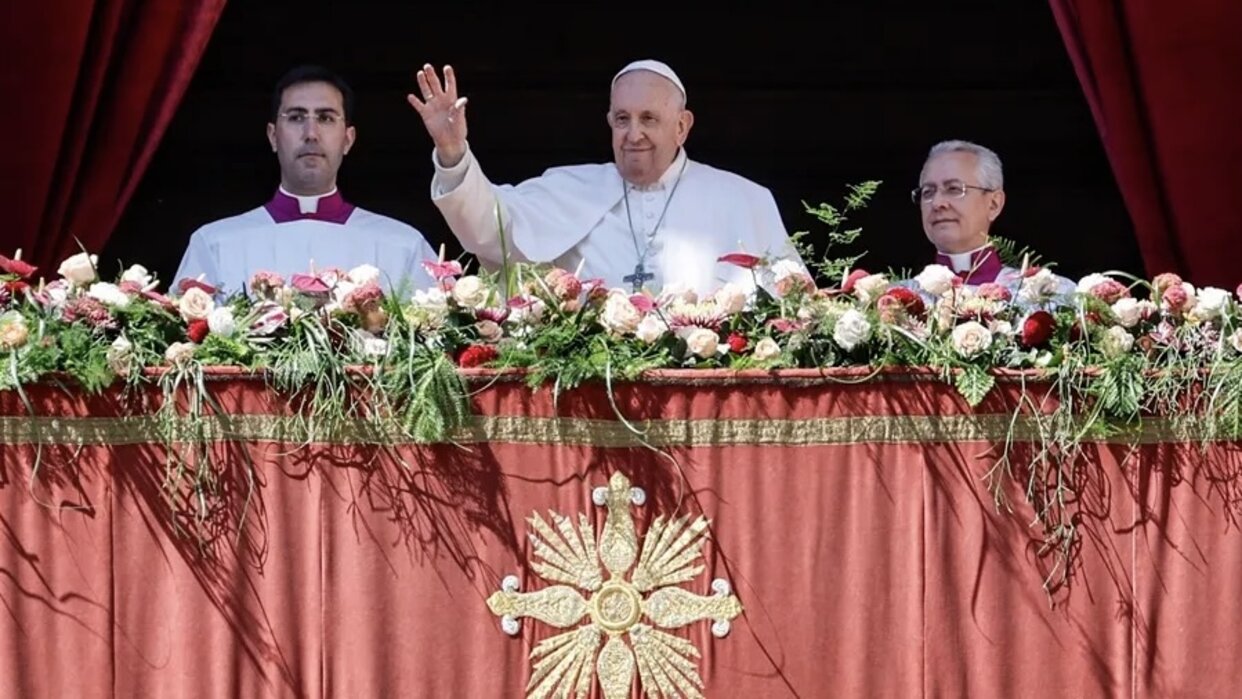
(1037, 328)
(476, 355)
(737, 343)
(909, 301)
(197, 331)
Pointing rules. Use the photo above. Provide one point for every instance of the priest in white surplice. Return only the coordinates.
(307, 222)
(654, 218)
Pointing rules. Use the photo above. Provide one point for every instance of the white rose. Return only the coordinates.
(1116, 341)
(1037, 287)
(195, 304)
(676, 292)
(767, 349)
(730, 298)
(936, 280)
(971, 338)
(179, 352)
(139, 275)
(362, 274)
(619, 315)
(650, 329)
(489, 330)
(373, 346)
(870, 287)
(221, 321)
(79, 269)
(13, 330)
(852, 329)
(470, 292)
(702, 342)
(108, 294)
(1235, 340)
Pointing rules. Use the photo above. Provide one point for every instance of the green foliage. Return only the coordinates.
(828, 269)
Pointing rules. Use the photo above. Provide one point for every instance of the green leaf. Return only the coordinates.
(974, 384)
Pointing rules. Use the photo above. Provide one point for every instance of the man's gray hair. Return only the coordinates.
(991, 175)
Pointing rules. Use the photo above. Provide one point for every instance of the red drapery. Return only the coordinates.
(1162, 82)
(851, 521)
(92, 86)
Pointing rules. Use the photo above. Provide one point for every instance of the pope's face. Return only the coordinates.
(310, 137)
(649, 124)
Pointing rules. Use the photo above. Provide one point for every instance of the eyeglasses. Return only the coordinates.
(301, 117)
(952, 190)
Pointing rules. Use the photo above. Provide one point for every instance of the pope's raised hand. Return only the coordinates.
(443, 113)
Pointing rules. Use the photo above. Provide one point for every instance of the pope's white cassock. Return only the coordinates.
(586, 214)
(290, 233)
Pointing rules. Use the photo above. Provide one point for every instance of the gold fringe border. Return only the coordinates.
(569, 431)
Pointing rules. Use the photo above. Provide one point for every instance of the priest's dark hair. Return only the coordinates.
(309, 73)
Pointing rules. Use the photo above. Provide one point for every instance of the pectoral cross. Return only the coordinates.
(639, 276)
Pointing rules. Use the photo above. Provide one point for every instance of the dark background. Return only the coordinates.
(801, 102)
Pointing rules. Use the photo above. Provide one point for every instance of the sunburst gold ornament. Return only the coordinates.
(615, 641)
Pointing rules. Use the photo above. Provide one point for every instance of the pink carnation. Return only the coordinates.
(994, 292)
(363, 298)
(1110, 291)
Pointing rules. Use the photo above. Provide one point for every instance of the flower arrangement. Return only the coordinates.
(1114, 348)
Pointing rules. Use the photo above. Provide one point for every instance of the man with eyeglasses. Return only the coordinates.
(960, 194)
(652, 219)
(307, 221)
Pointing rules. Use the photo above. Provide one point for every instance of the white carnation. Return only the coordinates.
(1211, 303)
(108, 294)
(1089, 282)
(852, 329)
(870, 287)
(363, 274)
(220, 321)
(1128, 311)
(936, 280)
(1037, 288)
(1116, 341)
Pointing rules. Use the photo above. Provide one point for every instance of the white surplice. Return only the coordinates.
(577, 214)
(272, 238)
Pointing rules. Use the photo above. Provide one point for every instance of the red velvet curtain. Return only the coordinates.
(92, 86)
(1162, 79)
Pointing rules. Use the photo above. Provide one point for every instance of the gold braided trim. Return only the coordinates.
(567, 431)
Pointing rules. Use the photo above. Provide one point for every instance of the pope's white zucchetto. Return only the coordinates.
(658, 67)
